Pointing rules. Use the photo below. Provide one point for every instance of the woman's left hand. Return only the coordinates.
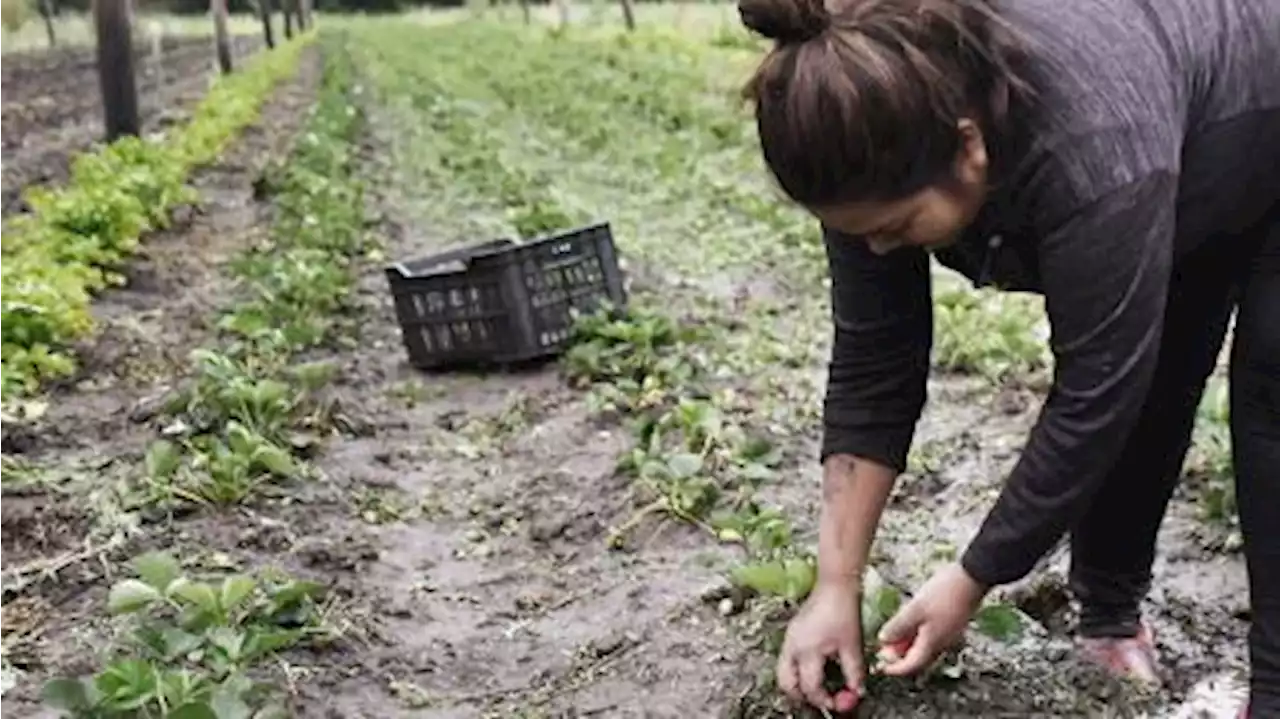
(933, 620)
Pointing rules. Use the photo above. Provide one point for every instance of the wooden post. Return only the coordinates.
(287, 9)
(264, 10)
(219, 10)
(628, 14)
(115, 68)
(46, 12)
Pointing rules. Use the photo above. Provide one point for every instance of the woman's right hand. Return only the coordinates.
(828, 625)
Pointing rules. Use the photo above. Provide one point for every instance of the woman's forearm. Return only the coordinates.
(854, 492)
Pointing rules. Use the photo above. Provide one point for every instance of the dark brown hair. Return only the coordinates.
(861, 101)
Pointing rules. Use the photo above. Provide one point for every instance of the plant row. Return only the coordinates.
(75, 236)
(247, 420)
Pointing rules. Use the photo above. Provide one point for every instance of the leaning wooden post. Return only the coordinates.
(628, 15)
(219, 10)
(115, 68)
(264, 11)
(46, 12)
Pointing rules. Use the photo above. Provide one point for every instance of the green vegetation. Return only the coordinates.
(75, 237)
(241, 422)
(193, 645)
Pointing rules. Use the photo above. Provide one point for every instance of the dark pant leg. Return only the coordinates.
(1113, 545)
(1255, 438)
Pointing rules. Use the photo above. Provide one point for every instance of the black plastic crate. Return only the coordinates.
(502, 302)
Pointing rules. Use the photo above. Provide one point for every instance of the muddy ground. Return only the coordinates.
(461, 519)
(53, 106)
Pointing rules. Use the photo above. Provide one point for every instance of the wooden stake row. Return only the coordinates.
(112, 21)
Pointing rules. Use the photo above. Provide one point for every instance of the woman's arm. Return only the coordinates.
(1106, 275)
(854, 492)
(883, 323)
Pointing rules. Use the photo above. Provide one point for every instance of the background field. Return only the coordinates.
(513, 543)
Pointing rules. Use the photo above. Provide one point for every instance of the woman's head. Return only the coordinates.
(876, 115)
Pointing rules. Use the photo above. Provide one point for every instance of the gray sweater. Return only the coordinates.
(1157, 129)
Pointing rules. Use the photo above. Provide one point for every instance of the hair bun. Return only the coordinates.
(786, 21)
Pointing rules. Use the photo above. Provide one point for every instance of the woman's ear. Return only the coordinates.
(971, 160)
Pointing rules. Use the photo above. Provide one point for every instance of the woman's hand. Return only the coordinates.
(829, 625)
(933, 620)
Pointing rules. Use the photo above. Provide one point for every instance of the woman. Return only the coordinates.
(1121, 157)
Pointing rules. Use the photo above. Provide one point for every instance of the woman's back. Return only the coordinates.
(1133, 87)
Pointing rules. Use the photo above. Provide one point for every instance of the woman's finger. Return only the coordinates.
(851, 665)
(921, 654)
(811, 666)
(901, 626)
(788, 679)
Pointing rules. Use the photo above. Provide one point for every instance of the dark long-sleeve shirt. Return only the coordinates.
(1156, 129)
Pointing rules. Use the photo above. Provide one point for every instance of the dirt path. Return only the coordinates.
(69, 464)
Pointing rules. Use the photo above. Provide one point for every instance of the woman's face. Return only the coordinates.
(931, 218)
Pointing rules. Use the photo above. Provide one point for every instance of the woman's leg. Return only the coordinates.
(1255, 438)
(1113, 546)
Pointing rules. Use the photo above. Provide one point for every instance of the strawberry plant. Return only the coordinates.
(193, 645)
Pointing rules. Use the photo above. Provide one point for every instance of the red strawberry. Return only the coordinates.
(845, 701)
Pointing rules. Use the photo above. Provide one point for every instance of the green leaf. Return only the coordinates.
(878, 606)
(163, 459)
(228, 640)
(262, 642)
(791, 578)
(1002, 622)
(275, 460)
(235, 589)
(127, 684)
(178, 643)
(131, 595)
(194, 710)
(294, 593)
(70, 695)
(684, 465)
(157, 569)
(197, 594)
(227, 703)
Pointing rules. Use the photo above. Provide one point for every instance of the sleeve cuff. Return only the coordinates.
(887, 446)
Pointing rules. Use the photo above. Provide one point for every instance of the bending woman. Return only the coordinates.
(1121, 157)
